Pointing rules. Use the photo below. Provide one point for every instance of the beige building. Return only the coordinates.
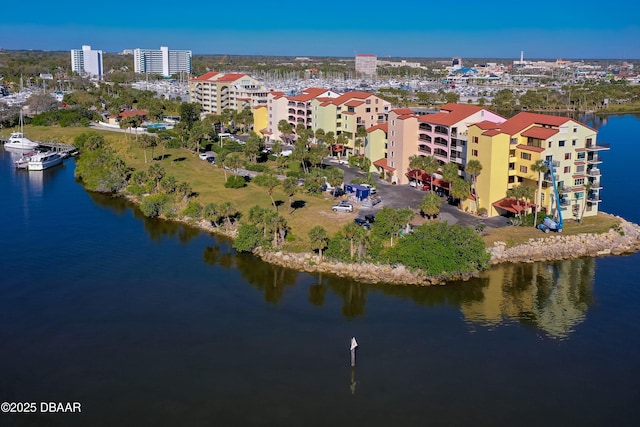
(217, 92)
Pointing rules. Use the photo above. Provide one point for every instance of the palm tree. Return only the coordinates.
(290, 187)
(210, 213)
(460, 189)
(430, 205)
(539, 167)
(473, 168)
(430, 165)
(319, 135)
(587, 189)
(520, 192)
(319, 239)
(361, 134)
(450, 172)
(270, 182)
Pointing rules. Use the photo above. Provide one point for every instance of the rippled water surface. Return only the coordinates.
(151, 323)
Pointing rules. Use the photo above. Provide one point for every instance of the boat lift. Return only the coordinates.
(549, 223)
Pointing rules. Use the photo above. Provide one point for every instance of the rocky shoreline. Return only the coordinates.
(617, 241)
(621, 240)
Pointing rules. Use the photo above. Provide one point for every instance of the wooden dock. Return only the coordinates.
(59, 147)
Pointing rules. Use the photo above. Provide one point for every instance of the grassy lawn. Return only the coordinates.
(514, 236)
(207, 181)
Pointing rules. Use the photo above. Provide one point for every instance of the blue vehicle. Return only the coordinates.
(549, 223)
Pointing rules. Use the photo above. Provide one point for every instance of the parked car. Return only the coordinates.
(370, 218)
(371, 188)
(342, 207)
(203, 156)
(211, 160)
(362, 222)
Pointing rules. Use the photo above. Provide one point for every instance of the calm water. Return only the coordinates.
(150, 323)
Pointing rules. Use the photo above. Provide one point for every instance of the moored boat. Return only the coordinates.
(23, 161)
(45, 160)
(18, 141)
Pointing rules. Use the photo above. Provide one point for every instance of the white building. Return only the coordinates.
(163, 61)
(366, 64)
(87, 62)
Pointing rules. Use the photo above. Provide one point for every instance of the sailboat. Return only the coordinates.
(18, 141)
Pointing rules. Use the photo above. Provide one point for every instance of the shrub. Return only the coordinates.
(257, 167)
(152, 206)
(248, 238)
(235, 181)
(193, 209)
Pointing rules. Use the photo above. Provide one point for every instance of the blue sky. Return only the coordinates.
(398, 28)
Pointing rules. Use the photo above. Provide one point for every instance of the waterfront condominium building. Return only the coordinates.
(366, 65)
(87, 62)
(442, 135)
(217, 92)
(163, 61)
(508, 152)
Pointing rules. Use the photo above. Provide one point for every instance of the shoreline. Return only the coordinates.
(623, 240)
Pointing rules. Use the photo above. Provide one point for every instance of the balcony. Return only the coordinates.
(424, 149)
(292, 111)
(594, 199)
(593, 172)
(424, 138)
(597, 147)
(595, 184)
(425, 127)
(594, 159)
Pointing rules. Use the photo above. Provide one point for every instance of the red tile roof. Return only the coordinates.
(530, 148)
(383, 164)
(402, 111)
(227, 78)
(383, 126)
(539, 132)
(486, 125)
(523, 120)
(354, 103)
(510, 204)
(206, 76)
(450, 114)
(133, 113)
(492, 132)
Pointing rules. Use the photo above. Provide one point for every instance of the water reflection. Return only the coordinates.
(155, 228)
(553, 297)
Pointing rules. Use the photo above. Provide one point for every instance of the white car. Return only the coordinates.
(342, 207)
(372, 189)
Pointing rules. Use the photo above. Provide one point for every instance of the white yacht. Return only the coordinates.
(45, 160)
(18, 141)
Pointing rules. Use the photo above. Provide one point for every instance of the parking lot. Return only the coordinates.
(405, 196)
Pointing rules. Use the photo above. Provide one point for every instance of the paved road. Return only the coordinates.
(404, 196)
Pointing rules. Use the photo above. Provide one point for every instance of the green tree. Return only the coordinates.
(473, 168)
(285, 128)
(269, 182)
(391, 222)
(290, 188)
(520, 193)
(460, 189)
(156, 173)
(211, 213)
(540, 168)
(450, 171)
(319, 239)
(431, 204)
(189, 114)
(252, 147)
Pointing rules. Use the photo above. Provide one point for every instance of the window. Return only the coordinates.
(368, 110)
(580, 168)
(512, 179)
(392, 154)
(549, 144)
(561, 143)
(567, 156)
(567, 169)
(475, 139)
(525, 156)
(393, 122)
(514, 141)
(574, 142)
(523, 169)
(579, 181)
(582, 155)
(575, 129)
(393, 143)
(393, 133)
(541, 198)
(474, 153)
(512, 166)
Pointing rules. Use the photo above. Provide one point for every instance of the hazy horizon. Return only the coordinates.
(402, 29)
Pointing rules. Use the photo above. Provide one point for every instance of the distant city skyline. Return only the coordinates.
(403, 28)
